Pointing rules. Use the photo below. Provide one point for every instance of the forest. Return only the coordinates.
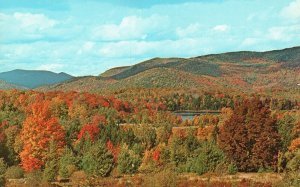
(88, 138)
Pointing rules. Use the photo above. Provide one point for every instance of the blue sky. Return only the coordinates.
(84, 37)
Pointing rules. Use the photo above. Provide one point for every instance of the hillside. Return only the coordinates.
(6, 86)
(114, 71)
(272, 72)
(33, 78)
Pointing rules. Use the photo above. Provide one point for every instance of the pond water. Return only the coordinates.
(191, 115)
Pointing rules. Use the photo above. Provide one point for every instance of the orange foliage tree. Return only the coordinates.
(40, 128)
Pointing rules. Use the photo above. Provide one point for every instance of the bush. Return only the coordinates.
(232, 169)
(128, 162)
(97, 161)
(14, 172)
(165, 178)
(78, 177)
(34, 178)
(290, 179)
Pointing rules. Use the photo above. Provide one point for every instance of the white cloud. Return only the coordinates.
(284, 33)
(189, 31)
(165, 48)
(24, 26)
(249, 41)
(221, 28)
(292, 11)
(130, 28)
(87, 47)
(51, 67)
(33, 21)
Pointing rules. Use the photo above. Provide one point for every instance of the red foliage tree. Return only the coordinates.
(90, 130)
(39, 130)
(250, 137)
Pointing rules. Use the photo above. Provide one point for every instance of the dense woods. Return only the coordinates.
(57, 134)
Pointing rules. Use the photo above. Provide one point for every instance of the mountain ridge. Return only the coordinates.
(33, 78)
(274, 72)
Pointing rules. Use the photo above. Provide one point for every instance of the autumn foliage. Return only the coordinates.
(90, 131)
(250, 136)
(39, 130)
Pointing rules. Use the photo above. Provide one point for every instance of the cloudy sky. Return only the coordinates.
(84, 37)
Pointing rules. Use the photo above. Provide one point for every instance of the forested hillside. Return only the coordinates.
(274, 73)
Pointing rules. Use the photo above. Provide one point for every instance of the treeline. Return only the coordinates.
(57, 134)
(197, 101)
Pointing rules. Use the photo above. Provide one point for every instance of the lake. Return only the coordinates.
(191, 114)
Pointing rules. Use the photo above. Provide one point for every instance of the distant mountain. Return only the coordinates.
(6, 86)
(33, 78)
(273, 72)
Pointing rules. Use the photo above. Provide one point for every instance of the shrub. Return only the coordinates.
(232, 169)
(34, 178)
(78, 177)
(14, 172)
(165, 178)
(128, 161)
(97, 161)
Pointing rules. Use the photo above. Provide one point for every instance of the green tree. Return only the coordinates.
(285, 127)
(208, 158)
(51, 166)
(128, 161)
(97, 160)
(67, 163)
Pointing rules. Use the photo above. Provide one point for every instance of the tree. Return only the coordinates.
(285, 126)
(128, 161)
(208, 158)
(97, 160)
(3, 167)
(39, 130)
(91, 130)
(250, 137)
(51, 166)
(67, 164)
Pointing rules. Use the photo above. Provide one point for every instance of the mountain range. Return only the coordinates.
(272, 72)
(29, 79)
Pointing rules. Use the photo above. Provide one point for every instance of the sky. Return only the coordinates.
(87, 37)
